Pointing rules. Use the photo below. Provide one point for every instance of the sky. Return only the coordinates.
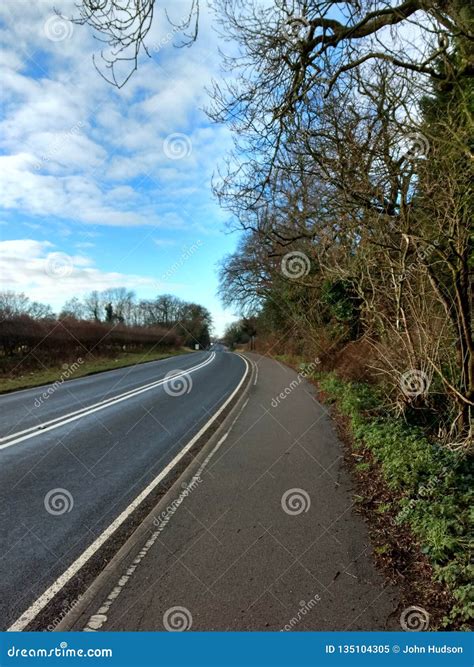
(101, 187)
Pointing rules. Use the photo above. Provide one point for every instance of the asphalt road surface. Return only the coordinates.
(72, 459)
(267, 537)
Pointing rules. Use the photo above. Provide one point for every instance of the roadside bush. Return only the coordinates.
(26, 343)
(433, 486)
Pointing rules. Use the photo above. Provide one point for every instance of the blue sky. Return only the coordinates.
(112, 184)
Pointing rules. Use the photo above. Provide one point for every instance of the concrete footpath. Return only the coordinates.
(260, 535)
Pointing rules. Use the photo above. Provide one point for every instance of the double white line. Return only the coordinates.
(39, 429)
(32, 612)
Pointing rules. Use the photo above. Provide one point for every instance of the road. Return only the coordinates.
(73, 459)
(268, 537)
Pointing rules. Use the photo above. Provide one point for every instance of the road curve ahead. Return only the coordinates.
(270, 539)
(71, 463)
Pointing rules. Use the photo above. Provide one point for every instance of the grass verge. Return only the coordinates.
(428, 489)
(78, 369)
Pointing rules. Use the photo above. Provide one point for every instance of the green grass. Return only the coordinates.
(98, 365)
(433, 484)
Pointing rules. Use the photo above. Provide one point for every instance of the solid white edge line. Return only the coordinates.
(39, 429)
(109, 400)
(30, 614)
(14, 392)
(97, 620)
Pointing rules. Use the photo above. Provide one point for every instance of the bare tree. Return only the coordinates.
(302, 38)
(122, 26)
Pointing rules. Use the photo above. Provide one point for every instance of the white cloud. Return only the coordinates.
(45, 274)
(76, 154)
(73, 144)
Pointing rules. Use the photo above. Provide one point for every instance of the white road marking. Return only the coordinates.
(32, 612)
(226, 434)
(38, 387)
(97, 620)
(39, 429)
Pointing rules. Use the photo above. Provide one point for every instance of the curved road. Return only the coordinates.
(272, 539)
(100, 440)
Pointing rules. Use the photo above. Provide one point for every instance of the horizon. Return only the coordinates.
(113, 186)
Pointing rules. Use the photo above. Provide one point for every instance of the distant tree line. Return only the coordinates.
(118, 305)
(242, 332)
(102, 323)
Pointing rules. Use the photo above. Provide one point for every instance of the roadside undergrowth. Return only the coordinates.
(417, 497)
(86, 365)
